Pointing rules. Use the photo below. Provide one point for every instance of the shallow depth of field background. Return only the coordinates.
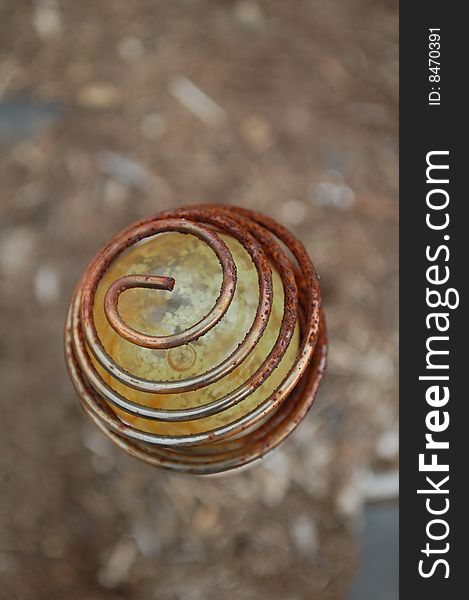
(110, 111)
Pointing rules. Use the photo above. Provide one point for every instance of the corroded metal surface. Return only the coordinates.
(253, 434)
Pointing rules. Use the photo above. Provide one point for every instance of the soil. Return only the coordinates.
(110, 111)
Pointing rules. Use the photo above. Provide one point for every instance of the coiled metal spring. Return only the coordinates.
(262, 428)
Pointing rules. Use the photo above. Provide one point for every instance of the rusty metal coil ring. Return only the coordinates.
(253, 434)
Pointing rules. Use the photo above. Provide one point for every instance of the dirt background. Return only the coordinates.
(100, 125)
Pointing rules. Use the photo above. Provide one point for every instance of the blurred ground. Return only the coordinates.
(111, 111)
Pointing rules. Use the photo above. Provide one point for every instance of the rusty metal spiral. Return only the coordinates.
(262, 428)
